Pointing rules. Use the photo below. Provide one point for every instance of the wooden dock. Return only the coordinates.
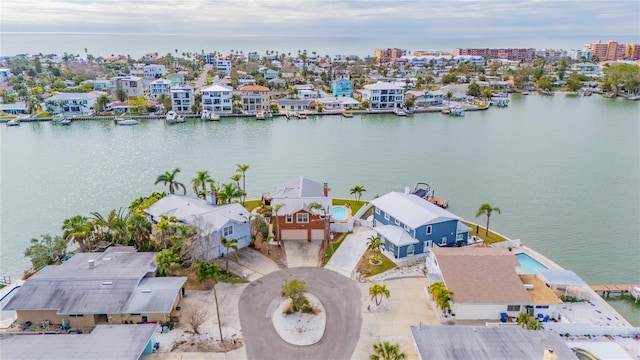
(617, 289)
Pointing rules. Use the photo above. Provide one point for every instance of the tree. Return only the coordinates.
(196, 316)
(113, 228)
(277, 208)
(46, 251)
(529, 322)
(386, 351)
(101, 103)
(230, 244)
(77, 229)
(167, 261)
(357, 191)
(165, 101)
(374, 244)
(228, 192)
(210, 273)
(294, 290)
(377, 291)
(441, 295)
(170, 178)
(474, 89)
(449, 96)
(242, 169)
(201, 180)
(121, 95)
(487, 209)
(139, 231)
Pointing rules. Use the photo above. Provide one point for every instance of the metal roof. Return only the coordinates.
(299, 188)
(561, 277)
(292, 206)
(125, 342)
(216, 87)
(486, 342)
(73, 96)
(396, 235)
(412, 210)
(154, 295)
(382, 86)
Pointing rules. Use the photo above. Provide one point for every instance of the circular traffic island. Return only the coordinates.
(300, 328)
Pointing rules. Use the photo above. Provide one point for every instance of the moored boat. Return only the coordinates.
(302, 115)
(171, 117)
(347, 114)
(260, 115)
(13, 122)
(180, 119)
(121, 120)
(214, 117)
(398, 111)
(456, 111)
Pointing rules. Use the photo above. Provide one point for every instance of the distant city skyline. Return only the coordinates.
(566, 24)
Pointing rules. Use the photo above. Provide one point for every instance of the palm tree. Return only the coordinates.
(139, 231)
(210, 272)
(387, 351)
(487, 209)
(201, 180)
(228, 192)
(529, 322)
(277, 208)
(77, 229)
(170, 178)
(165, 228)
(441, 295)
(449, 96)
(121, 95)
(374, 244)
(167, 261)
(101, 103)
(113, 228)
(242, 169)
(377, 291)
(357, 191)
(230, 244)
(165, 101)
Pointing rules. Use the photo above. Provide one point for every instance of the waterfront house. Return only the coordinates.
(382, 95)
(133, 86)
(338, 103)
(181, 98)
(101, 85)
(154, 71)
(297, 219)
(255, 98)
(122, 342)
(285, 105)
(217, 99)
(213, 222)
(176, 78)
(18, 108)
(224, 65)
(425, 98)
(72, 103)
(89, 289)
(342, 87)
(159, 87)
(410, 225)
(486, 284)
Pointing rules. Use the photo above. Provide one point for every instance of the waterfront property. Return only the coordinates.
(487, 286)
(297, 217)
(255, 98)
(217, 99)
(529, 265)
(182, 98)
(89, 289)
(125, 342)
(159, 87)
(154, 71)
(383, 95)
(72, 103)
(410, 225)
(133, 86)
(213, 221)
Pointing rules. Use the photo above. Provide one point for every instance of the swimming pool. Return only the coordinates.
(528, 264)
(339, 213)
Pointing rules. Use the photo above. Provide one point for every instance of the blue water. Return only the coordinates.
(339, 213)
(528, 264)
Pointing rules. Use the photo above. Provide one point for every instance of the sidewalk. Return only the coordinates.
(251, 264)
(346, 258)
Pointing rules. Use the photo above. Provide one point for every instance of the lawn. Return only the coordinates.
(367, 269)
(355, 205)
(333, 246)
(252, 204)
(491, 239)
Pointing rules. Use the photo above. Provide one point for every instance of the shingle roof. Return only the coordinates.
(412, 210)
(481, 275)
(254, 88)
(540, 294)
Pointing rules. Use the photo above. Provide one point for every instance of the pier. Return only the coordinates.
(618, 289)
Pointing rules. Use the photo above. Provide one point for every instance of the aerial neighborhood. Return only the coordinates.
(199, 270)
(43, 86)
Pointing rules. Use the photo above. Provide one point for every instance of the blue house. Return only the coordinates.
(410, 225)
(342, 87)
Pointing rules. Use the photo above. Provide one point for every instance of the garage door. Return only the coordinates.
(317, 234)
(294, 234)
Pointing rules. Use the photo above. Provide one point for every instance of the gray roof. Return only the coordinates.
(104, 342)
(412, 210)
(561, 277)
(190, 210)
(73, 96)
(108, 287)
(291, 206)
(486, 342)
(299, 188)
(14, 106)
(287, 102)
(396, 235)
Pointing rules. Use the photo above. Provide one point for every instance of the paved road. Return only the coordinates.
(339, 296)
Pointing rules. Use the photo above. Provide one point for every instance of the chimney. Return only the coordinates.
(407, 190)
(211, 198)
(92, 264)
(326, 189)
(549, 354)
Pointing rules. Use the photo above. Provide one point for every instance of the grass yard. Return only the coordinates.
(491, 239)
(333, 246)
(367, 269)
(355, 205)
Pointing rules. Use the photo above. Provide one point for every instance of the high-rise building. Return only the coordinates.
(388, 55)
(508, 54)
(612, 50)
(632, 51)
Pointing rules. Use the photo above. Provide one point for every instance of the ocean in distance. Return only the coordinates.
(136, 45)
(565, 171)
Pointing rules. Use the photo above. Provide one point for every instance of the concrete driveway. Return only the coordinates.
(302, 253)
(251, 263)
(340, 297)
(346, 258)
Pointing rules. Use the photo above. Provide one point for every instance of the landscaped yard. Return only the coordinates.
(333, 246)
(355, 205)
(491, 239)
(365, 268)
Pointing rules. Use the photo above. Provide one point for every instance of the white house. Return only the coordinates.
(231, 221)
(426, 98)
(72, 103)
(486, 284)
(217, 99)
(271, 74)
(588, 69)
(154, 71)
(330, 103)
(182, 98)
(224, 65)
(383, 95)
(159, 87)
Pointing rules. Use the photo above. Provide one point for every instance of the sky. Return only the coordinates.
(587, 20)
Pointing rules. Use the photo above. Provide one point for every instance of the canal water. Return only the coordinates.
(563, 170)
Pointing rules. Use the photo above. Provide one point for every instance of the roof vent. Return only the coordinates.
(106, 258)
(528, 286)
(107, 283)
(92, 264)
(146, 291)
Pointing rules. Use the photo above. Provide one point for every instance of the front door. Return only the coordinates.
(426, 245)
(410, 250)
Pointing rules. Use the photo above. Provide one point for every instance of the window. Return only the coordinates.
(386, 216)
(396, 221)
(406, 227)
(513, 307)
(378, 211)
(288, 218)
(443, 240)
(428, 229)
(460, 237)
(302, 218)
(76, 315)
(392, 248)
(542, 306)
(227, 231)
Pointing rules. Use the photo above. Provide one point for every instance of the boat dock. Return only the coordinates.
(442, 202)
(618, 289)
